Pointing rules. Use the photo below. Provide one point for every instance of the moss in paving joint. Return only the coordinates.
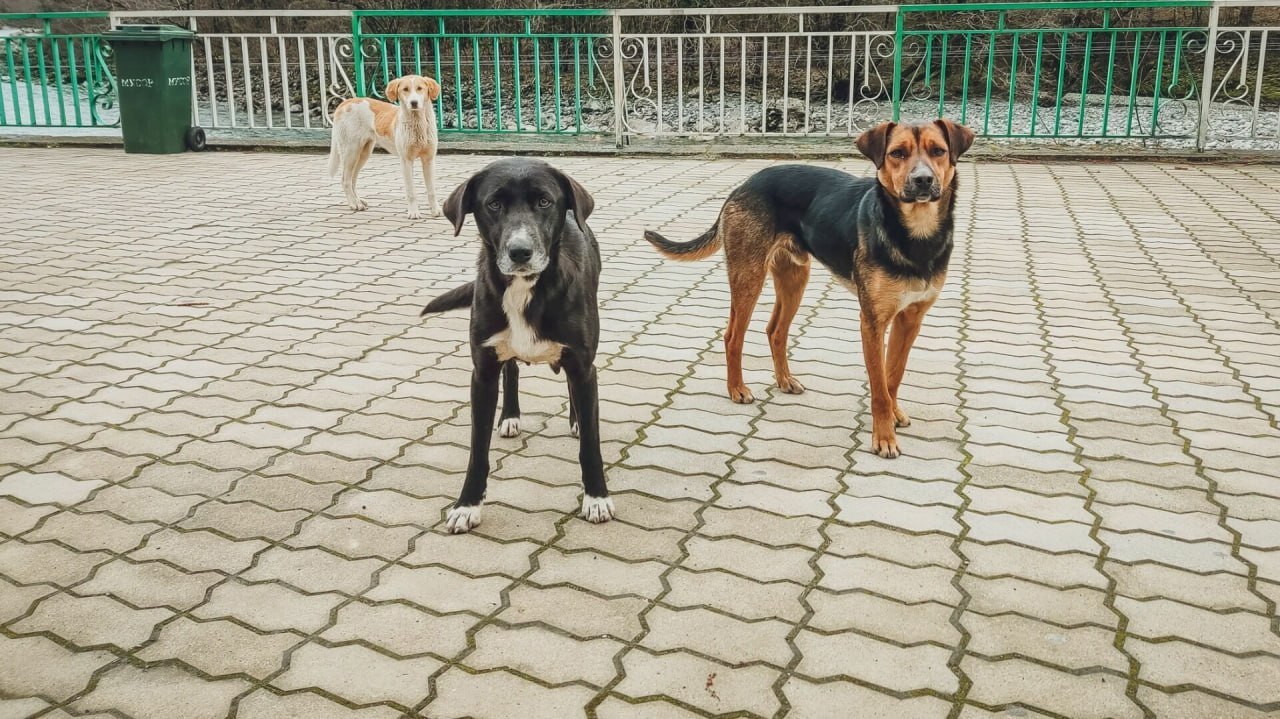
(954, 662)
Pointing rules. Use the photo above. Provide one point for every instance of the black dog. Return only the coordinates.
(533, 300)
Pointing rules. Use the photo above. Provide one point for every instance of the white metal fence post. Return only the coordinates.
(619, 99)
(1206, 84)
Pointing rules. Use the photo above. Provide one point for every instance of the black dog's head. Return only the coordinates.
(519, 206)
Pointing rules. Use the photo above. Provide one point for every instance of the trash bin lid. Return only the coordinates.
(153, 33)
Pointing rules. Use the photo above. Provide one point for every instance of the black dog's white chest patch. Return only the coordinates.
(519, 340)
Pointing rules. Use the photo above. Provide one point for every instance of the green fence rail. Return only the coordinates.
(1199, 71)
(1018, 78)
(501, 71)
(55, 78)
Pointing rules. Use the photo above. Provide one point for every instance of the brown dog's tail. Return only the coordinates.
(451, 300)
(704, 246)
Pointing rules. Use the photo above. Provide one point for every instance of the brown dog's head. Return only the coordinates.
(916, 162)
(413, 91)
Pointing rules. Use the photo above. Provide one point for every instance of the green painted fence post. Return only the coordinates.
(357, 52)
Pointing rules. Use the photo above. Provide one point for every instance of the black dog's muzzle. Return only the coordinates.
(520, 254)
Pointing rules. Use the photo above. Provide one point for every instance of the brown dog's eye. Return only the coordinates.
(544, 203)
(937, 152)
(898, 153)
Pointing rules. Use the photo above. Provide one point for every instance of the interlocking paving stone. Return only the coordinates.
(161, 692)
(92, 621)
(547, 655)
(401, 629)
(1016, 681)
(220, 648)
(149, 584)
(218, 401)
(46, 562)
(199, 550)
(834, 700)
(47, 488)
(262, 704)
(362, 675)
(439, 589)
(708, 685)
(36, 666)
(498, 694)
(270, 607)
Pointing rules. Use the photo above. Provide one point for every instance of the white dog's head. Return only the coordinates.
(413, 91)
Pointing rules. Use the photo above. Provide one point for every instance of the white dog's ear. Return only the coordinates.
(461, 203)
(393, 90)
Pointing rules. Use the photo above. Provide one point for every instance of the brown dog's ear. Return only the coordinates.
(873, 142)
(959, 137)
(580, 201)
(461, 203)
(393, 90)
(433, 89)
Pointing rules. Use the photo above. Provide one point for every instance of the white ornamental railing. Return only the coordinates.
(801, 79)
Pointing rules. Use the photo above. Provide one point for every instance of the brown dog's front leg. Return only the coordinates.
(884, 440)
(906, 327)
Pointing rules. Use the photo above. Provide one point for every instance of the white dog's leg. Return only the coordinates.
(429, 174)
(352, 163)
(410, 194)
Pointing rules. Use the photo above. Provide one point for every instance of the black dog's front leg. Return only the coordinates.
(597, 506)
(509, 422)
(573, 414)
(484, 403)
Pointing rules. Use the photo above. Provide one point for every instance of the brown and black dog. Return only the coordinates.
(888, 238)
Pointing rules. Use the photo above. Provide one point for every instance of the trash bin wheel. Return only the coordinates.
(195, 139)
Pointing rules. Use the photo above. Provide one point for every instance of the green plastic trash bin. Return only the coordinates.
(153, 73)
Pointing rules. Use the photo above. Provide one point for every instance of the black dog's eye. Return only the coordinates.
(937, 152)
(494, 205)
(544, 203)
(899, 153)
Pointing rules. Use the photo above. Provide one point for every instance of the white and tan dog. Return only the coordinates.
(407, 130)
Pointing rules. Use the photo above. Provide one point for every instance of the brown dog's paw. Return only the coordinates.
(741, 395)
(790, 385)
(900, 418)
(885, 445)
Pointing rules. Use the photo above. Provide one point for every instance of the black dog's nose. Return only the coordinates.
(520, 255)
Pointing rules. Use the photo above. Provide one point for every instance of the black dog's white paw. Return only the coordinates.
(509, 427)
(597, 509)
(462, 519)
(573, 428)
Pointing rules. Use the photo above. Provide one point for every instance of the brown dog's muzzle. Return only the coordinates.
(922, 185)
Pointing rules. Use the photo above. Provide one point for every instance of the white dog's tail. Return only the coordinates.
(335, 157)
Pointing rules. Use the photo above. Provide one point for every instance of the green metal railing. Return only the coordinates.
(1017, 78)
(1115, 69)
(501, 71)
(55, 79)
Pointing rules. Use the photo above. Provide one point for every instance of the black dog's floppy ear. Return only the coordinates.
(959, 137)
(461, 203)
(580, 201)
(873, 142)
